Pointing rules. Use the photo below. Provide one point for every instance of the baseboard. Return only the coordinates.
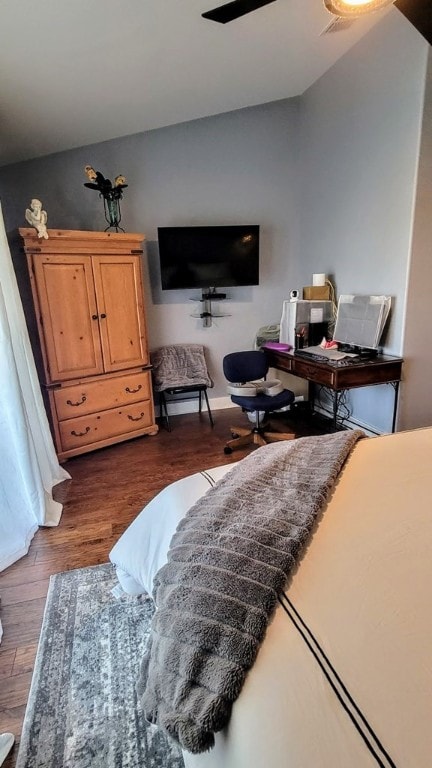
(176, 408)
(352, 423)
(220, 403)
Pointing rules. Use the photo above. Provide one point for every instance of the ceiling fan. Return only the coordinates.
(418, 12)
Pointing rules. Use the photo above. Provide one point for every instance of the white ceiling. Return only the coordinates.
(75, 72)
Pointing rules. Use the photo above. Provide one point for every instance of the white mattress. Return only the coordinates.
(364, 590)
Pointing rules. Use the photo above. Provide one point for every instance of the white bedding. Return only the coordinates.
(142, 549)
(363, 588)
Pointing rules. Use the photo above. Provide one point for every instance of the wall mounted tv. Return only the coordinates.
(209, 257)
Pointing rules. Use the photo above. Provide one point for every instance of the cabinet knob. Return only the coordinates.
(94, 317)
(79, 402)
(132, 391)
(80, 434)
(136, 418)
(103, 315)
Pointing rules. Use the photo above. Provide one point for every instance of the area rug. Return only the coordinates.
(82, 709)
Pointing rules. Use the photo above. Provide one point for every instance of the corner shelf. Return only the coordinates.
(206, 299)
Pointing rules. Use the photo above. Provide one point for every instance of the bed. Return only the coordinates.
(344, 675)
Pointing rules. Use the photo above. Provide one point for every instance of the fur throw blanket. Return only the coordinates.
(179, 365)
(228, 560)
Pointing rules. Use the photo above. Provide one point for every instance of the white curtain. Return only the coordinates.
(28, 463)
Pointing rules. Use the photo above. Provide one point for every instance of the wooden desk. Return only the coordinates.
(383, 369)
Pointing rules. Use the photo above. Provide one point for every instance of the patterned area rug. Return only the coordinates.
(82, 709)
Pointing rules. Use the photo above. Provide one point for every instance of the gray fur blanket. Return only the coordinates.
(228, 560)
(179, 365)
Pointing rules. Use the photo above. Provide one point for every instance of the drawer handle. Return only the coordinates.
(136, 418)
(80, 434)
(132, 391)
(80, 402)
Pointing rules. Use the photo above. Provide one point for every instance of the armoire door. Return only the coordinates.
(69, 313)
(119, 296)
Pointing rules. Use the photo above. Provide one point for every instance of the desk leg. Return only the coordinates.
(311, 396)
(395, 385)
(335, 408)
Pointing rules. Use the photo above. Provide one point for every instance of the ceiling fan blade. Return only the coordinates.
(234, 10)
(419, 13)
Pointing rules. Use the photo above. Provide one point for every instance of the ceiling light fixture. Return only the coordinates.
(355, 8)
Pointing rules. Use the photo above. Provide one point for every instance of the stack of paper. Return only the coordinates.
(360, 319)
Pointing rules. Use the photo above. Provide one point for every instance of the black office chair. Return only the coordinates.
(242, 368)
(180, 369)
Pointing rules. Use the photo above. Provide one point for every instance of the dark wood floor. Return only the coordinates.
(108, 489)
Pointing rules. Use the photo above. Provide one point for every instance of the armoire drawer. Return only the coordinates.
(87, 397)
(105, 424)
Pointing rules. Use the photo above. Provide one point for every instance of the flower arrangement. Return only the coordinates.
(111, 193)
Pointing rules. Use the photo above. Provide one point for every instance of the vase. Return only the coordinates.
(112, 213)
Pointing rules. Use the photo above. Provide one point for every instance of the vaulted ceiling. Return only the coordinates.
(82, 71)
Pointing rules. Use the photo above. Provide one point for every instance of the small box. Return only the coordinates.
(316, 292)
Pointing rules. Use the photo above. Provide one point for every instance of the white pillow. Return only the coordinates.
(142, 549)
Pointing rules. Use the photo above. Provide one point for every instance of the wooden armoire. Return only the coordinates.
(88, 298)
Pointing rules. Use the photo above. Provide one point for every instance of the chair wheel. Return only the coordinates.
(227, 449)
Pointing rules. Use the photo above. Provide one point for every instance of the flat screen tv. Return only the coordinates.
(209, 257)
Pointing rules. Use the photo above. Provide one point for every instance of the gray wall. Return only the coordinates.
(235, 168)
(360, 129)
(330, 177)
(416, 400)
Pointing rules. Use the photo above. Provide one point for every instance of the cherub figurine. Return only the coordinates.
(37, 218)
